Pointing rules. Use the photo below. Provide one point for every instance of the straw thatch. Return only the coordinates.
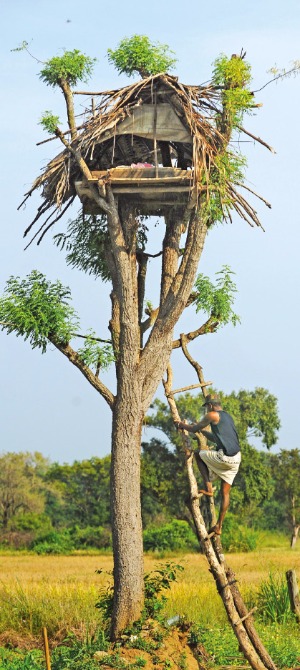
(120, 130)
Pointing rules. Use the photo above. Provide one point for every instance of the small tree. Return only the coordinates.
(138, 54)
(120, 256)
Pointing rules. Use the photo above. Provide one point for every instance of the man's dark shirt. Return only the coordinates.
(225, 434)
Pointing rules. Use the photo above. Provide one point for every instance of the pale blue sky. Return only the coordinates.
(45, 404)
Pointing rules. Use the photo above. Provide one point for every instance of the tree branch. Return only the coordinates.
(210, 326)
(75, 359)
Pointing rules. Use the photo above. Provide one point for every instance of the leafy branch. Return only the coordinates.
(217, 300)
(138, 54)
(39, 310)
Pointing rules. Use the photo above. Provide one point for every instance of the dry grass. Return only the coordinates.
(60, 591)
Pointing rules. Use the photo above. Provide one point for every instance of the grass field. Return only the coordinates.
(60, 592)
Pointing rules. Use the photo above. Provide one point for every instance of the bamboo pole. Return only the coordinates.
(46, 648)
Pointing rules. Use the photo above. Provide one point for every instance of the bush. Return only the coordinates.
(53, 542)
(272, 600)
(237, 538)
(170, 537)
(84, 538)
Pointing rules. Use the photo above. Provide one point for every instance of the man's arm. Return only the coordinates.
(209, 436)
(210, 417)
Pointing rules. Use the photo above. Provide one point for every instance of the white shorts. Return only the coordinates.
(220, 465)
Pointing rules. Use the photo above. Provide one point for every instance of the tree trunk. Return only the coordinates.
(126, 510)
(294, 537)
(295, 526)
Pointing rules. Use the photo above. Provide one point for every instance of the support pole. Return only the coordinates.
(293, 589)
(46, 648)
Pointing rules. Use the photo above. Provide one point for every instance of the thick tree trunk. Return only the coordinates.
(126, 510)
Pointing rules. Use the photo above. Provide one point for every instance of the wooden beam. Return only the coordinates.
(193, 386)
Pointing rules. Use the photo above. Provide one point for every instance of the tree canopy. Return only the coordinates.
(137, 54)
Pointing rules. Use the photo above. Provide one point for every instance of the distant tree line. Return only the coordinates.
(53, 508)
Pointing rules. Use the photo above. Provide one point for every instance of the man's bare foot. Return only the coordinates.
(206, 493)
(215, 530)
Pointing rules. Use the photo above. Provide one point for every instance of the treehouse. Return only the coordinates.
(154, 142)
(142, 144)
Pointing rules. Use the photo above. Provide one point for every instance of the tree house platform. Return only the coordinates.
(150, 188)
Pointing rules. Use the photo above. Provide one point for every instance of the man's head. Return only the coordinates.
(212, 403)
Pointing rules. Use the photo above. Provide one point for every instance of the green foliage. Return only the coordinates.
(49, 122)
(19, 660)
(253, 485)
(217, 300)
(220, 644)
(233, 75)
(85, 243)
(272, 600)
(94, 355)
(282, 642)
(72, 67)
(155, 583)
(21, 485)
(30, 521)
(281, 73)
(173, 536)
(90, 537)
(231, 71)
(22, 47)
(84, 490)
(160, 468)
(53, 542)
(37, 309)
(238, 538)
(229, 170)
(138, 54)
(283, 510)
(255, 413)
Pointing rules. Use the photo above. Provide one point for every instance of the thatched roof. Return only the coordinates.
(120, 130)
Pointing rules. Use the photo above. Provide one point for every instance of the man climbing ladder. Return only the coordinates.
(222, 462)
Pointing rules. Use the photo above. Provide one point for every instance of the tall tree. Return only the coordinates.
(21, 485)
(116, 245)
(84, 488)
(286, 468)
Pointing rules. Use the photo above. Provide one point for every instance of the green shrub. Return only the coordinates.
(176, 535)
(31, 521)
(84, 538)
(155, 583)
(237, 538)
(18, 660)
(272, 600)
(53, 542)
